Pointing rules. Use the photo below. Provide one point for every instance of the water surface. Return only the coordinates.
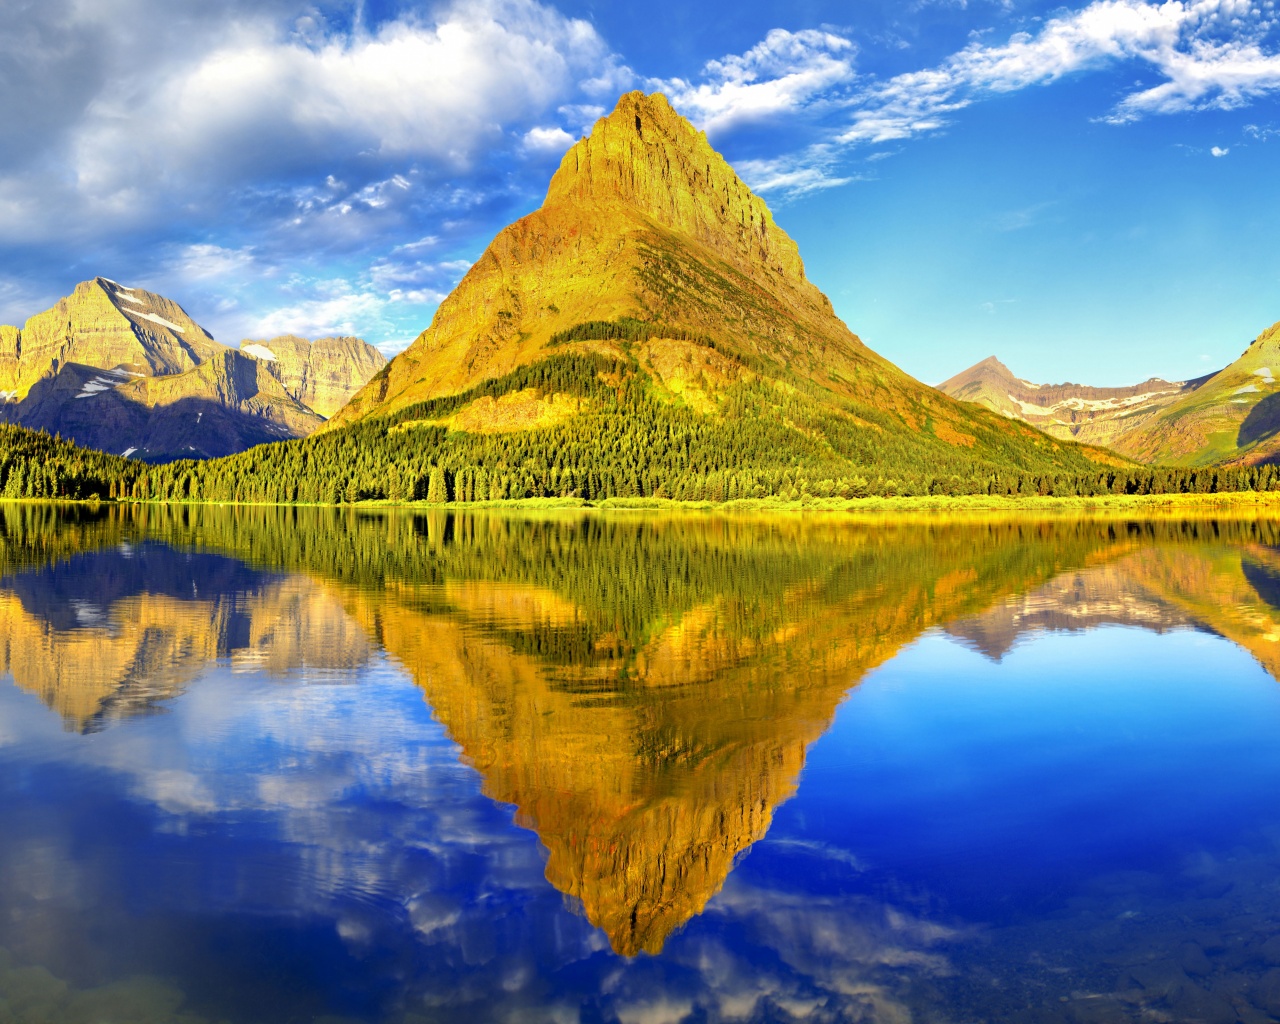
(264, 765)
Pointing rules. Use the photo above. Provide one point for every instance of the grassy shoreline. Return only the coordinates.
(1245, 501)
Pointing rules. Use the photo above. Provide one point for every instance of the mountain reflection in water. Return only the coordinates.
(643, 691)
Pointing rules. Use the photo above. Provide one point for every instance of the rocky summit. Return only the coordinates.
(128, 371)
(649, 250)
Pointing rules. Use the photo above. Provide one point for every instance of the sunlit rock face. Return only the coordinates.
(1231, 417)
(644, 223)
(103, 325)
(321, 374)
(128, 371)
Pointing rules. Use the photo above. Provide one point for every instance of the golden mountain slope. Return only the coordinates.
(105, 325)
(646, 228)
(1232, 418)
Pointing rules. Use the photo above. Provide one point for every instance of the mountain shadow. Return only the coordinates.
(1263, 421)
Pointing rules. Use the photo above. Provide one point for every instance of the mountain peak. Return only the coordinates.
(646, 156)
(989, 371)
(992, 364)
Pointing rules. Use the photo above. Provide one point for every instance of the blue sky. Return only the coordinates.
(1087, 191)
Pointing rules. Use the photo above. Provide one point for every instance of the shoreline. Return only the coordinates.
(1268, 501)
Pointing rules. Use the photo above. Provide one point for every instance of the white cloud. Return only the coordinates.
(1219, 151)
(1208, 52)
(436, 91)
(205, 260)
(783, 73)
(795, 175)
(546, 141)
(584, 115)
(157, 124)
(335, 308)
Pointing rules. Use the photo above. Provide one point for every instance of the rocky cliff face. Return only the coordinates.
(104, 325)
(645, 224)
(129, 372)
(321, 374)
(1100, 416)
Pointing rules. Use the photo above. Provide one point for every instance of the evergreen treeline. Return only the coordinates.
(626, 442)
(626, 329)
(35, 465)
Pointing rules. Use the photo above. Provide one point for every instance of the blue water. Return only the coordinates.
(1085, 829)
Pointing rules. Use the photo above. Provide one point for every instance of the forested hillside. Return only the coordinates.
(626, 443)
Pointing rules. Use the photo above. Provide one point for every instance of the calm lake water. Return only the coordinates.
(263, 766)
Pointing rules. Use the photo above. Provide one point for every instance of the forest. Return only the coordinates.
(627, 441)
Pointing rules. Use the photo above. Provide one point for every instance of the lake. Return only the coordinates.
(266, 765)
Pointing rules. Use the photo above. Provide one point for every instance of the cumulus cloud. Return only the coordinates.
(1208, 53)
(1219, 151)
(546, 141)
(331, 307)
(257, 102)
(114, 124)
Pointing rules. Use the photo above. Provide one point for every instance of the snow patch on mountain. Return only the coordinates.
(157, 320)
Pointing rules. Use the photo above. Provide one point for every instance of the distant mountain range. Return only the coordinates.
(128, 371)
(1231, 417)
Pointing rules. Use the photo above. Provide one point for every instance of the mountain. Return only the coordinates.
(321, 374)
(128, 371)
(654, 286)
(1233, 418)
(1100, 416)
(1229, 418)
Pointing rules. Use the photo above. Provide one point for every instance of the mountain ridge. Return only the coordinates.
(128, 371)
(1230, 417)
